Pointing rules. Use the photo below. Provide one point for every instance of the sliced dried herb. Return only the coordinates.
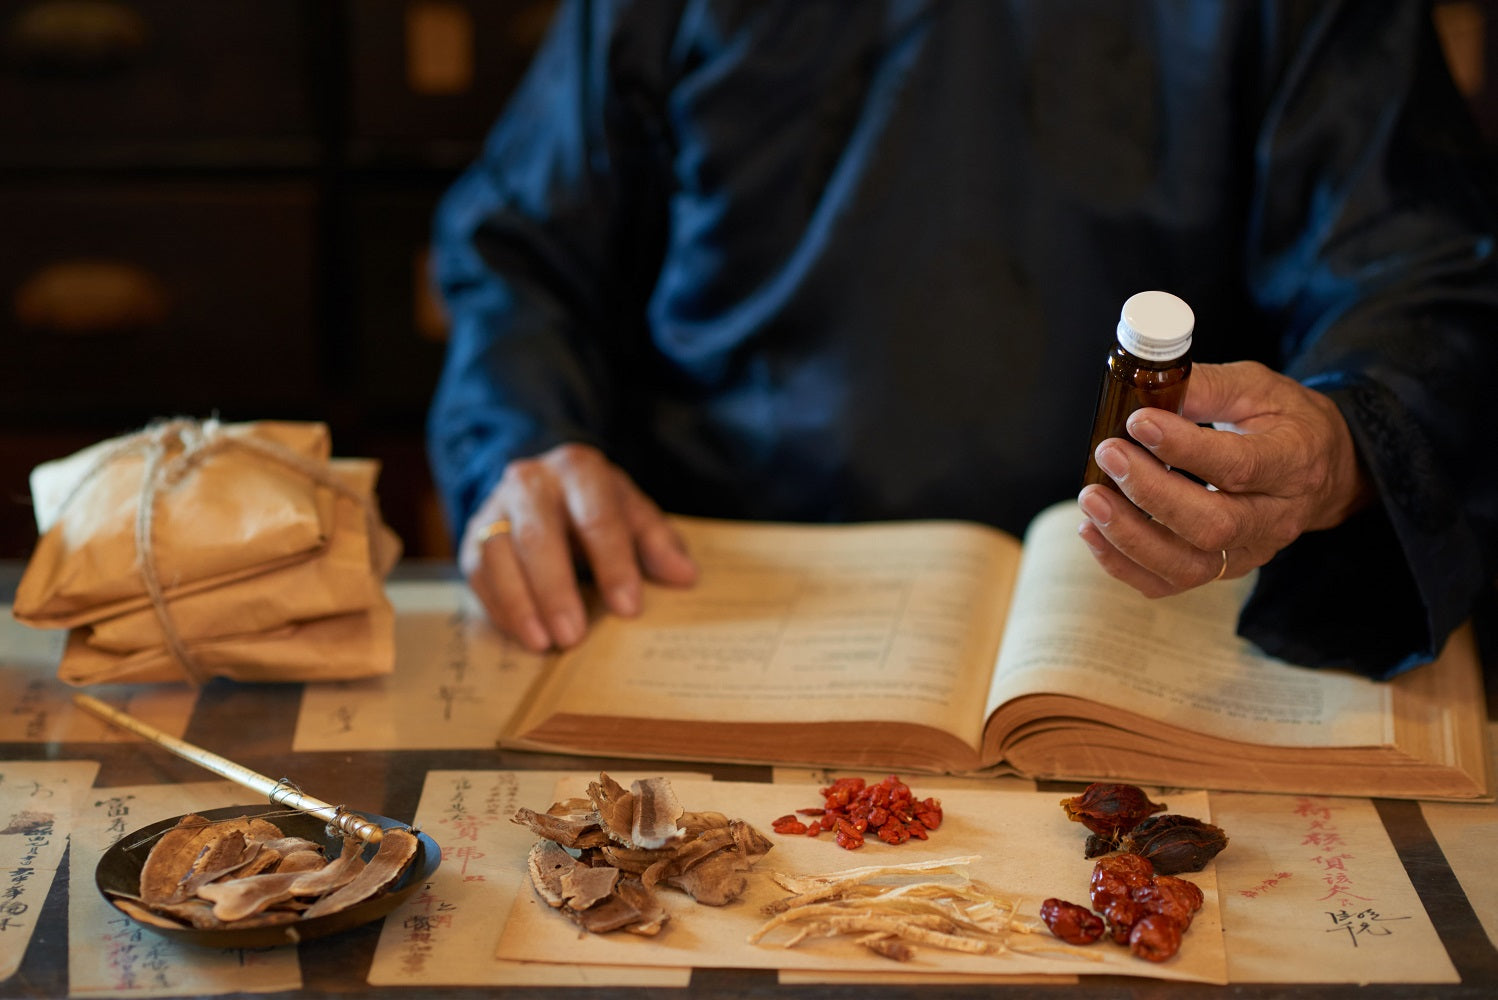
(1175, 843)
(1109, 810)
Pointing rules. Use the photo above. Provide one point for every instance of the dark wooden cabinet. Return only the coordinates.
(222, 208)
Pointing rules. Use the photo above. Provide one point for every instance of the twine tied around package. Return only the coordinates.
(198, 441)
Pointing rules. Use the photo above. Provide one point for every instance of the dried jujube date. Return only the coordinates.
(1115, 876)
(1174, 843)
(1071, 922)
(1131, 868)
(1164, 895)
(1155, 937)
(1110, 810)
(1189, 891)
(1121, 915)
(1144, 911)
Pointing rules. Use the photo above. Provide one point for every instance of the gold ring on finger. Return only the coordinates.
(499, 526)
(1222, 571)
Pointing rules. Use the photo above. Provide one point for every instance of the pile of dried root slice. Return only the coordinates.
(243, 873)
(602, 856)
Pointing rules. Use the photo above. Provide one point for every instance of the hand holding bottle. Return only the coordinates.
(1280, 459)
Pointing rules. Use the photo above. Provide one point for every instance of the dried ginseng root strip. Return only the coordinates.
(893, 920)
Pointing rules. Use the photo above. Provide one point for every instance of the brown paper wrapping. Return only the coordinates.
(194, 550)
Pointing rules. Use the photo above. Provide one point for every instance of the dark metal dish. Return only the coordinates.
(118, 874)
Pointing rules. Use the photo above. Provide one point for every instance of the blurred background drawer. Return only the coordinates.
(428, 77)
(149, 81)
(398, 331)
(135, 300)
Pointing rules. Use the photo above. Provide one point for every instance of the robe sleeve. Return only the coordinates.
(1373, 240)
(542, 249)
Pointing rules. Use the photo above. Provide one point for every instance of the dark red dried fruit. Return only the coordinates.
(1166, 899)
(1110, 810)
(1121, 915)
(1131, 868)
(1071, 922)
(1154, 937)
(1175, 844)
(1115, 877)
(1095, 845)
(1190, 891)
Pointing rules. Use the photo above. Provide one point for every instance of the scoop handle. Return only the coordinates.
(277, 790)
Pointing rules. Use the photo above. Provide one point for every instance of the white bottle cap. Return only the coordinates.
(1155, 326)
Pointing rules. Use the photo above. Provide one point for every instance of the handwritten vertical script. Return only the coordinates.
(445, 934)
(1352, 913)
(129, 960)
(37, 803)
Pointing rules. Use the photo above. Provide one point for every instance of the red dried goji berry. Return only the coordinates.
(854, 808)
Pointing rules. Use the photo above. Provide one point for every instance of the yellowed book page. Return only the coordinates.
(123, 959)
(456, 681)
(1022, 846)
(38, 708)
(1468, 835)
(1074, 630)
(803, 624)
(445, 934)
(921, 785)
(38, 806)
(1314, 892)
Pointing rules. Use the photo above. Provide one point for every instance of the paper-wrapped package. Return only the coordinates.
(191, 550)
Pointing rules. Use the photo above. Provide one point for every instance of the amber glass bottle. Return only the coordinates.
(1149, 366)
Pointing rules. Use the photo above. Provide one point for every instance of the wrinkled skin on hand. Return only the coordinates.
(1279, 456)
(569, 508)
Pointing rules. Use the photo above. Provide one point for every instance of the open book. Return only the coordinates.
(946, 646)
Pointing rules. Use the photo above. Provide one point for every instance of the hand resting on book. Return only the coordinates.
(569, 499)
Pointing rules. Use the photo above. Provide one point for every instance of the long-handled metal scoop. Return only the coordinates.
(278, 791)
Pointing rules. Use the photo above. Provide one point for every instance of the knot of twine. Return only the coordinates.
(198, 441)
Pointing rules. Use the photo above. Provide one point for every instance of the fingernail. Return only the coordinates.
(534, 636)
(1087, 531)
(625, 600)
(1095, 505)
(566, 629)
(1113, 460)
(1145, 431)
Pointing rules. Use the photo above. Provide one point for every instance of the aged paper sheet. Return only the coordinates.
(38, 806)
(1025, 845)
(126, 960)
(1314, 892)
(456, 681)
(445, 934)
(1468, 834)
(921, 785)
(40, 707)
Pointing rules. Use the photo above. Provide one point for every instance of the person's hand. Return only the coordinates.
(1280, 460)
(518, 549)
